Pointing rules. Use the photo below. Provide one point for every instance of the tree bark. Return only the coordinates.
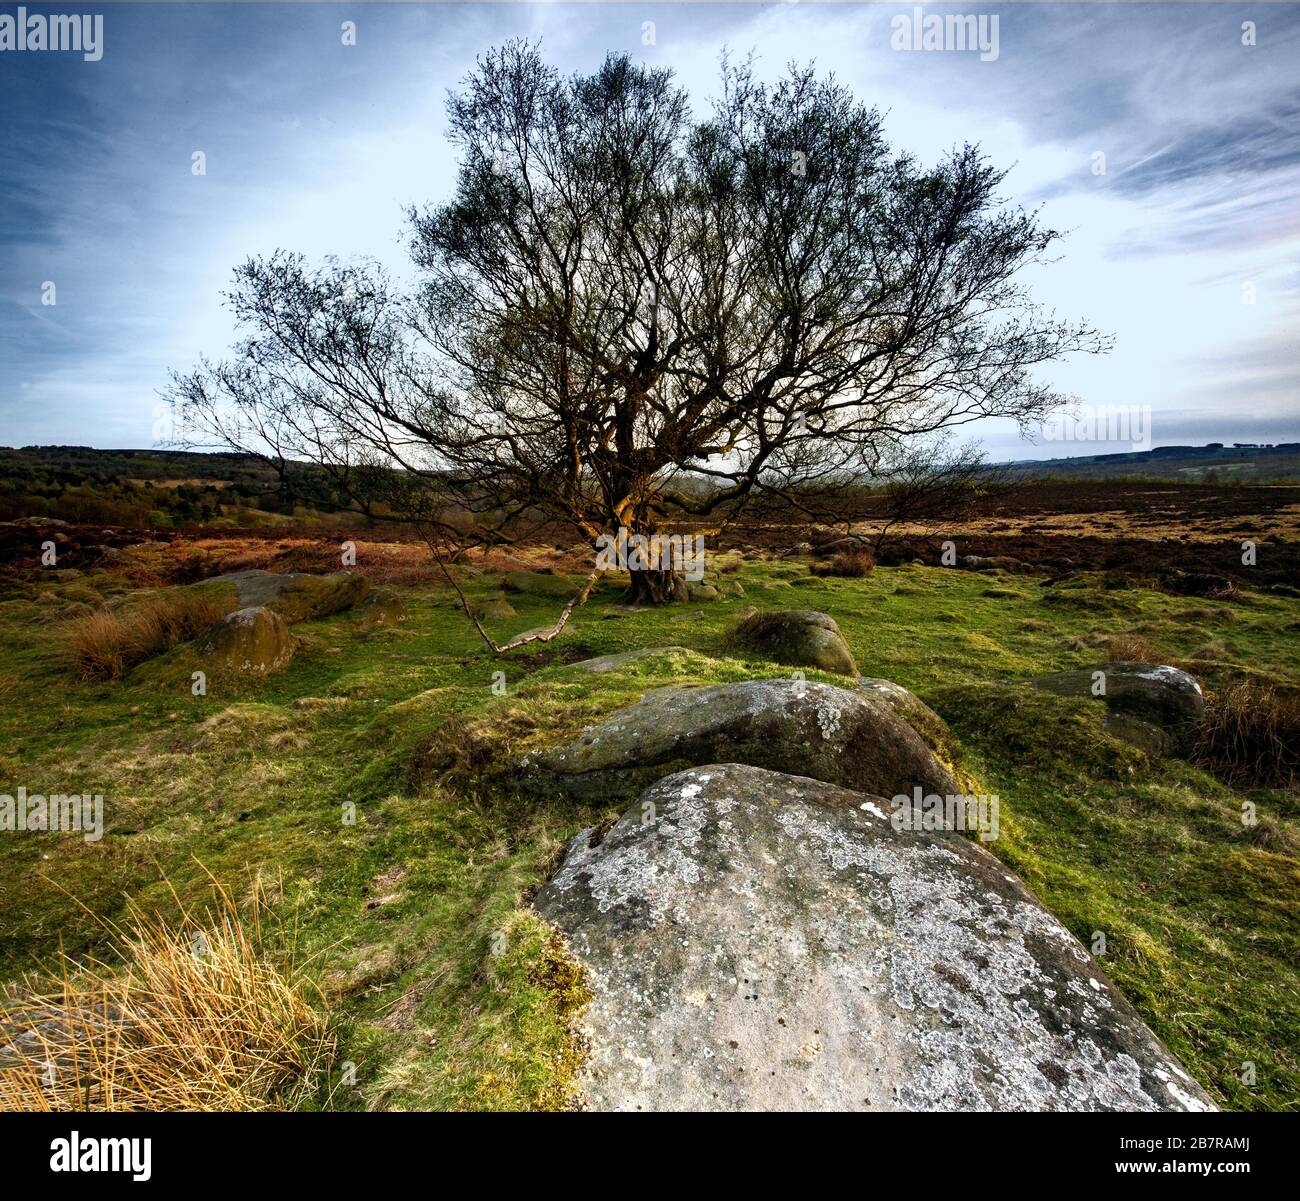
(656, 588)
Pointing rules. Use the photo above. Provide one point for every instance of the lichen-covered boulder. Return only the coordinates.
(757, 941)
(924, 720)
(1148, 704)
(799, 637)
(254, 640)
(818, 730)
(381, 607)
(297, 595)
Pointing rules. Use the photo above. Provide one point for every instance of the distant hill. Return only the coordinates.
(1211, 463)
(173, 488)
(157, 488)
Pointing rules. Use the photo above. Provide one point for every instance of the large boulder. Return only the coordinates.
(807, 729)
(254, 640)
(297, 595)
(757, 941)
(1148, 704)
(799, 637)
(913, 710)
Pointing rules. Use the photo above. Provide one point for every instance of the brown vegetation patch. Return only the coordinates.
(107, 643)
(1251, 735)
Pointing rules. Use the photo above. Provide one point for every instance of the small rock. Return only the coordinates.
(535, 583)
(496, 609)
(800, 637)
(382, 607)
(254, 640)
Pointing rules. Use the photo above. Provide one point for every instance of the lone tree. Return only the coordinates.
(626, 314)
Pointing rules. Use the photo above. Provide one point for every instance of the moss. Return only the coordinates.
(1058, 735)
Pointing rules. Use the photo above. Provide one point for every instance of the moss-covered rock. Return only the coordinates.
(799, 637)
(498, 608)
(381, 607)
(255, 640)
(536, 583)
(297, 596)
(806, 729)
(1060, 737)
(607, 663)
(1154, 706)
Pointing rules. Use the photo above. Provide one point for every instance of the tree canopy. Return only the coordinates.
(622, 299)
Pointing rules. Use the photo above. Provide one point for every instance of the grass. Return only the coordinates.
(374, 777)
(853, 564)
(1129, 648)
(1251, 735)
(202, 1011)
(106, 643)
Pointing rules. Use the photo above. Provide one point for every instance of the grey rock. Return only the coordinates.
(817, 730)
(799, 637)
(607, 663)
(1150, 704)
(702, 592)
(924, 720)
(296, 595)
(757, 941)
(990, 563)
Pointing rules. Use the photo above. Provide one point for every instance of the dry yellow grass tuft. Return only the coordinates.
(852, 564)
(105, 644)
(1251, 735)
(1129, 648)
(209, 1013)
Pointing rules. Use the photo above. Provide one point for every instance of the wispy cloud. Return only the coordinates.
(317, 146)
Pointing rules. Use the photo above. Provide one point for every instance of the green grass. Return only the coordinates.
(373, 778)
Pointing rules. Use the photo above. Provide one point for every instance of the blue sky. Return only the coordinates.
(315, 146)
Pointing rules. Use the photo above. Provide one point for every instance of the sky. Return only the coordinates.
(1185, 248)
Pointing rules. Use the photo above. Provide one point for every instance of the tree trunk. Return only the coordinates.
(656, 588)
